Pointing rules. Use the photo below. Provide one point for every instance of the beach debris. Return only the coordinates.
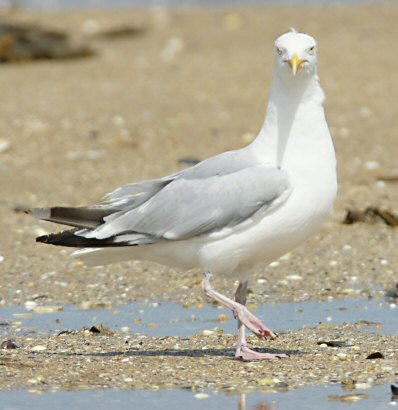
(335, 343)
(8, 345)
(392, 293)
(370, 215)
(348, 384)
(201, 396)
(188, 161)
(388, 178)
(20, 208)
(394, 391)
(98, 329)
(28, 42)
(47, 309)
(375, 355)
(348, 398)
(222, 318)
(38, 348)
(95, 304)
(119, 32)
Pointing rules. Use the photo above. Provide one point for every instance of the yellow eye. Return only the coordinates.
(311, 50)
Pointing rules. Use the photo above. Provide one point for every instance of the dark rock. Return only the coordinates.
(375, 355)
(335, 343)
(8, 344)
(27, 42)
(370, 215)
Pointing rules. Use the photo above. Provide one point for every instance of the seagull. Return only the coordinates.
(232, 213)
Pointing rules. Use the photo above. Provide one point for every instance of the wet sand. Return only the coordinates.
(193, 85)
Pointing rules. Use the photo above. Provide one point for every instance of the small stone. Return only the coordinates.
(95, 304)
(375, 355)
(294, 277)
(201, 396)
(362, 386)
(47, 309)
(30, 305)
(347, 398)
(38, 348)
(4, 145)
(370, 165)
(207, 332)
(222, 318)
(342, 356)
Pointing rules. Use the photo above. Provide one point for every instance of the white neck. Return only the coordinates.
(295, 104)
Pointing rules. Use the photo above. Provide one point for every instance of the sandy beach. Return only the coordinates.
(194, 83)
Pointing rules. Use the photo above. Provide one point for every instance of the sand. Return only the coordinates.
(194, 84)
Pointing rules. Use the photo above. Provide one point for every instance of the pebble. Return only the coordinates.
(201, 396)
(362, 386)
(173, 47)
(1, 258)
(30, 305)
(274, 264)
(342, 356)
(47, 309)
(370, 165)
(207, 332)
(38, 348)
(4, 145)
(294, 277)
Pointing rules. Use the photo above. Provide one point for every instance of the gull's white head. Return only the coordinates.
(295, 55)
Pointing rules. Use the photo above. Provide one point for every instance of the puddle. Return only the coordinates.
(165, 319)
(67, 4)
(308, 398)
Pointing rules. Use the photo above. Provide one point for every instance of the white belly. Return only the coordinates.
(275, 234)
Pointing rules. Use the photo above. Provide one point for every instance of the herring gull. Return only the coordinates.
(232, 213)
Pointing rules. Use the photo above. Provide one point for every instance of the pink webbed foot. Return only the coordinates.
(243, 314)
(244, 353)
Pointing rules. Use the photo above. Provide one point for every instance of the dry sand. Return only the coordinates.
(193, 85)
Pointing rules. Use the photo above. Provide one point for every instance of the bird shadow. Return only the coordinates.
(228, 353)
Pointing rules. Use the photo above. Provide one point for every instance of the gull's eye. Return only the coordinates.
(311, 50)
(279, 51)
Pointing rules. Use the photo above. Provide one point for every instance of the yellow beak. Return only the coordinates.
(295, 63)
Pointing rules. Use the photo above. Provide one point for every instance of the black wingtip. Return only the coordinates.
(43, 239)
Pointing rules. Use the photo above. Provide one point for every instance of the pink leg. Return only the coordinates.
(244, 317)
(242, 351)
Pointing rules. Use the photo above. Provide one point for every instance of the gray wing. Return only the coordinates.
(133, 195)
(197, 202)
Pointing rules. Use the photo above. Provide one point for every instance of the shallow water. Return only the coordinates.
(166, 318)
(308, 398)
(67, 4)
